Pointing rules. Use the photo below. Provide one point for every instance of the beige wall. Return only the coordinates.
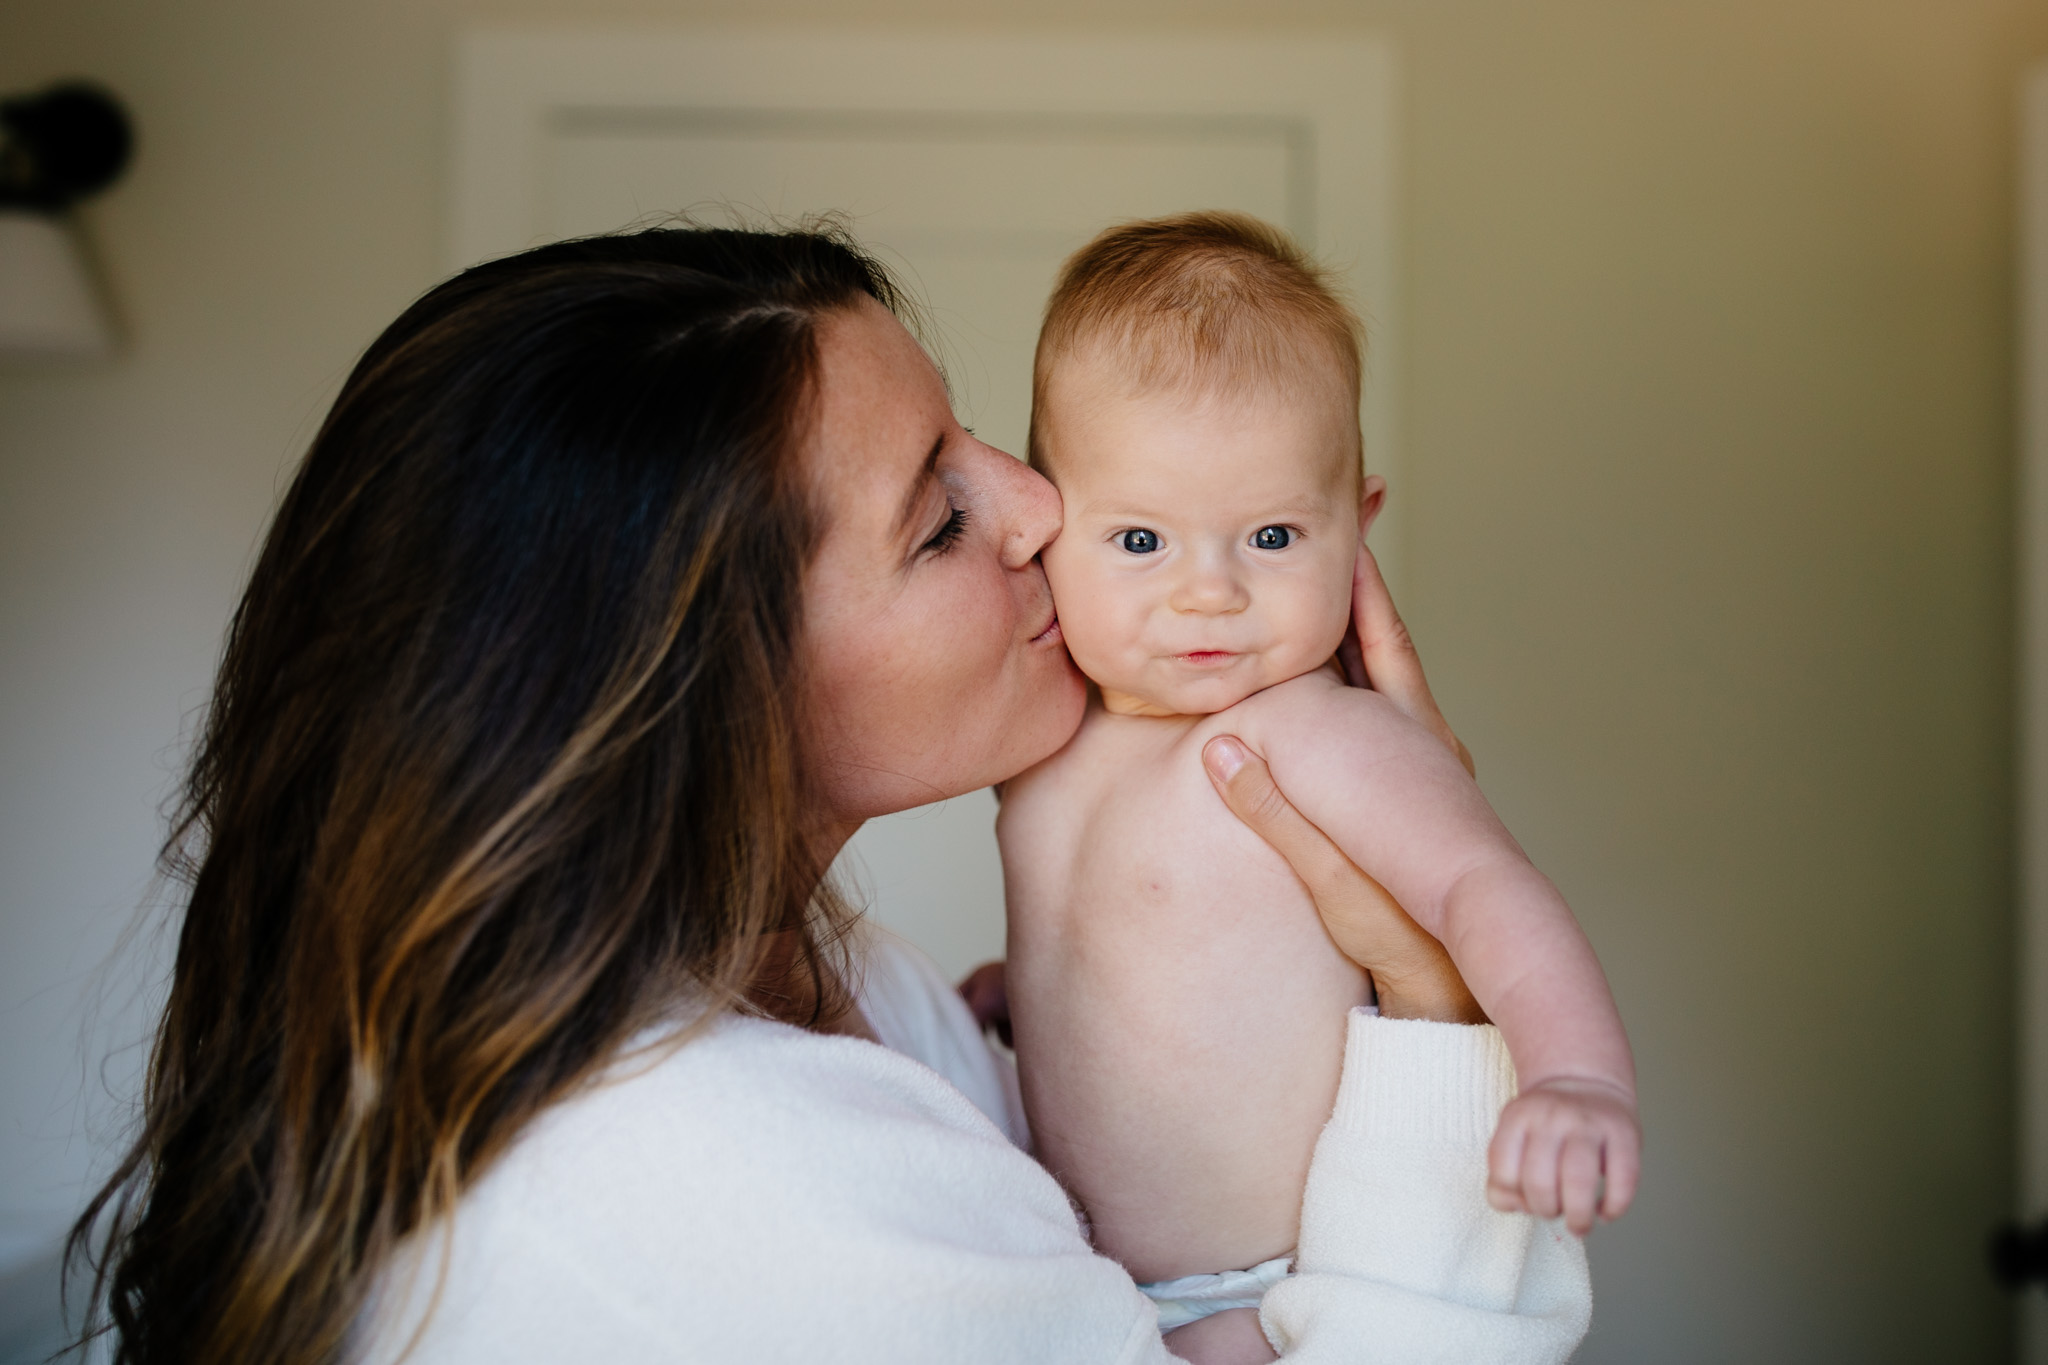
(1707, 412)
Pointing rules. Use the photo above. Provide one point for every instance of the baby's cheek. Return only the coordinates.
(1088, 619)
(1103, 650)
(1313, 626)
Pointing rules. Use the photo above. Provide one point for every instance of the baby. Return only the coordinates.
(1179, 1010)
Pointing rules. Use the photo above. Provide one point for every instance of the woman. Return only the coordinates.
(625, 579)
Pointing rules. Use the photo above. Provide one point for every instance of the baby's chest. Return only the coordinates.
(1140, 843)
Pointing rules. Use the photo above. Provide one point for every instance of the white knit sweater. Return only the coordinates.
(764, 1194)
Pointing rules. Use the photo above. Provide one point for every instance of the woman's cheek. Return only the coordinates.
(993, 619)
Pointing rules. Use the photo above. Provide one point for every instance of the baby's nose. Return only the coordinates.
(1210, 590)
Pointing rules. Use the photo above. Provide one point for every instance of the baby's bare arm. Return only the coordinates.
(1396, 800)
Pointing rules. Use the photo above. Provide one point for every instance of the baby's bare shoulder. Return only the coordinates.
(1102, 752)
(1314, 708)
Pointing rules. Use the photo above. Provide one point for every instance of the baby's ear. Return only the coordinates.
(1371, 498)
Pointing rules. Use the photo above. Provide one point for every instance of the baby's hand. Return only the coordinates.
(1556, 1143)
(986, 991)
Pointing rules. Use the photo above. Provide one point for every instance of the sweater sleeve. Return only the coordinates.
(1402, 1261)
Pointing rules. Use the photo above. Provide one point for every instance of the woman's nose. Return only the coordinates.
(1029, 508)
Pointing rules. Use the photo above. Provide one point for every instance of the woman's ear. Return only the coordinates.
(1371, 498)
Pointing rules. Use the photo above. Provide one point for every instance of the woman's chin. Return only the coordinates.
(1042, 722)
(1066, 703)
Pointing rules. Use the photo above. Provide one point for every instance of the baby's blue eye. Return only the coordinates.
(1272, 537)
(1140, 542)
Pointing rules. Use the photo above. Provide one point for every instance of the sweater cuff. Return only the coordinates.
(1415, 1082)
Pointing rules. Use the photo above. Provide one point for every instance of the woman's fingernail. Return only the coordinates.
(1226, 756)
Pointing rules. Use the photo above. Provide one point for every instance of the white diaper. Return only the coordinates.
(1194, 1297)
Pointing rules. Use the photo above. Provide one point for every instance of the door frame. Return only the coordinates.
(2032, 655)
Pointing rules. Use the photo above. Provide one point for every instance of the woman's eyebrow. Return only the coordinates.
(917, 486)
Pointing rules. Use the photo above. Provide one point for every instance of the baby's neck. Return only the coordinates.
(1129, 704)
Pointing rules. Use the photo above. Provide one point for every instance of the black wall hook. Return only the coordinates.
(58, 147)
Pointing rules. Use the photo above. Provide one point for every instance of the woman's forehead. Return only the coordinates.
(869, 360)
(880, 408)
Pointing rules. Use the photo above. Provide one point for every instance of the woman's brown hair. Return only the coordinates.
(502, 767)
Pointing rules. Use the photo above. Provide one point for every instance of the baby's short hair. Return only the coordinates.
(1206, 301)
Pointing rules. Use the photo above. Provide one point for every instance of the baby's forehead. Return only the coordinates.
(1299, 431)
(1294, 366)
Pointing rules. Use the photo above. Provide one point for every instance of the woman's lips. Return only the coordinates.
(1051, 634)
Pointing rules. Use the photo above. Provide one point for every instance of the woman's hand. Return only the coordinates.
(1411, 973)
(1378, 653)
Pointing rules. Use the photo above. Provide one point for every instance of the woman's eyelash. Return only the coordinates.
(955, 527)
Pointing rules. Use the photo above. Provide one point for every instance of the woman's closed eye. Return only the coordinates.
(948, 534)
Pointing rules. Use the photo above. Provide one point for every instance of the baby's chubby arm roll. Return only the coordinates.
(1396, 800)
(1401, 806)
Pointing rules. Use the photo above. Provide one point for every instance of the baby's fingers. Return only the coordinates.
(1504, 1163)
(1624, 1169)
(1540, 1155)
(1579, 1178)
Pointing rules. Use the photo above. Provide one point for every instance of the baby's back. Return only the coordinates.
(1179, 1009)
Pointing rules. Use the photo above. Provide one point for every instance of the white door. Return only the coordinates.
(973, 166)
